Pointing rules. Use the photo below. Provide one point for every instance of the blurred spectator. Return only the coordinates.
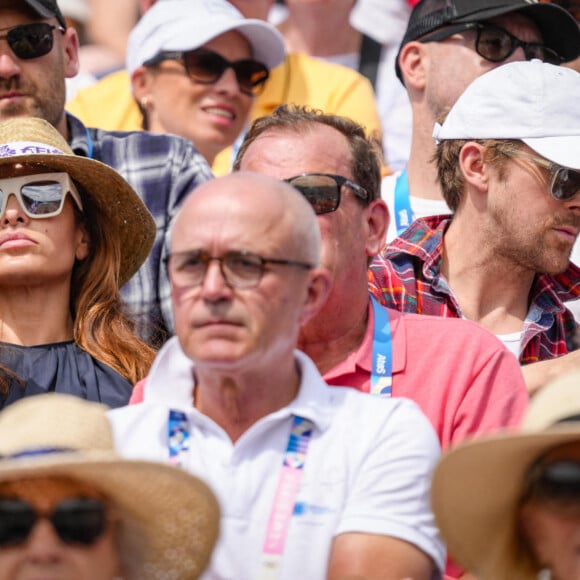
(364, 36)
(299, 79)
(509, 506)
(196, 68)
(72, 508)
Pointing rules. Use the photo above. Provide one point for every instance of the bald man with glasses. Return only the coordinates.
(313, 481)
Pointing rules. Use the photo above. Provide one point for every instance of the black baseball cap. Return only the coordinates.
(558, 28)
(46, 9)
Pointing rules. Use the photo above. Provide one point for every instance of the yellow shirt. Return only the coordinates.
(300, 79)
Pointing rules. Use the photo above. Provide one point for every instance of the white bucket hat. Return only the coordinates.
(477, 486)
(57, 435)
(531, 101)
(182, 25)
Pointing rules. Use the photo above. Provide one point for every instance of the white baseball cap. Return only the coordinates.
(531, 101)
(182, 25)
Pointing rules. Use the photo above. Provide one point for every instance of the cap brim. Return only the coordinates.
(560, 150)
(476, 488)
(163, 500)
(266, 42)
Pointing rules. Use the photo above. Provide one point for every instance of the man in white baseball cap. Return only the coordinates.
(508, 166)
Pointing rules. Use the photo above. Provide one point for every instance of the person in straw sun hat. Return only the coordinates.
(508, 506)
(72, 508)
(72, 231)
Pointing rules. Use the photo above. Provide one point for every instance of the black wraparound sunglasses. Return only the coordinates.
(29, 41)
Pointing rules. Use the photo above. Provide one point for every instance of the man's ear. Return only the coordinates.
(476, 174)
(317, 293)
(471, 161)
(412, 62)
(70, 45)
(376, 216)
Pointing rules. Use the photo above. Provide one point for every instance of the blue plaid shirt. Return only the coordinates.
(162, 169)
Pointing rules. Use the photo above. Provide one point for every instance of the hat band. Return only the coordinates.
(38, 451)
(28, 148)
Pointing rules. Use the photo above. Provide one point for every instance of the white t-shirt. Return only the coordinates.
(368, 468)
(512, 341)
(574, 305)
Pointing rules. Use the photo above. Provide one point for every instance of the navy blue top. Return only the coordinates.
(63, 367)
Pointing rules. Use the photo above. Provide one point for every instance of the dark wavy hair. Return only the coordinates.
(101, 326)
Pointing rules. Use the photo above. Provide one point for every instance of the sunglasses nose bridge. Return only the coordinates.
(229, 78)
(42, 537)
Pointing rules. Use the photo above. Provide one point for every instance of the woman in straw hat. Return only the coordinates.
(72, 231)
(508, 506)
(72, 509)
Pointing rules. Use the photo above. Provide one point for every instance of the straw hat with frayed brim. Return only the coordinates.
(61, 435)
(34, 142)
(477, 486)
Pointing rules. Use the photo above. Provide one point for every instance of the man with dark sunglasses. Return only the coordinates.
(508, 167)
(463, 379)
(447, 44)
(37, 53)
(329, 160)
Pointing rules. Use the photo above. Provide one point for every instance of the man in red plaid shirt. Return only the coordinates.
(508, 166)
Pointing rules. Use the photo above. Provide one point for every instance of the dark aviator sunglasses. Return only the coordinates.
(29, 41)
(207, 67)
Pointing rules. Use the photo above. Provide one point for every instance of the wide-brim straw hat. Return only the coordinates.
(35, 142)
(61, 435)
(477, 486)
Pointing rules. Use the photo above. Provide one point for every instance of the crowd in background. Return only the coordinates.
(290, 289)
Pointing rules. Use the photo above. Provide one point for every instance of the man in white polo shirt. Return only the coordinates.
(314, 481)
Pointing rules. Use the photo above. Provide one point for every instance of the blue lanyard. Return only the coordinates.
(89, 144)
(403, 211)
(382, 364)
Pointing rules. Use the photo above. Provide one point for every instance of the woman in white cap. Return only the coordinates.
(508, 506)
(72, 231)
(71, 508)
(196, 67)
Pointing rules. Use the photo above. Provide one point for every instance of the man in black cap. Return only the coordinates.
(47, 9)
(37, 53)
(449, 43)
